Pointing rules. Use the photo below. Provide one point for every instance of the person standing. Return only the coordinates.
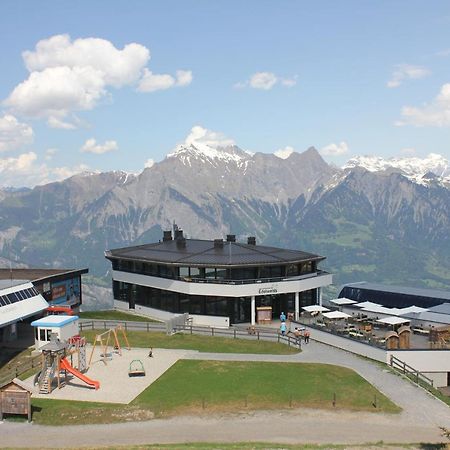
(307, 334)
(283, 328)
(298, 337)
(283, 317)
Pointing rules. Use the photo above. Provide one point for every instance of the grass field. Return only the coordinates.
(214, 344)
(205, 387)
(113, 315)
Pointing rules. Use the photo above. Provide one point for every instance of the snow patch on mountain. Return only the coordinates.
(413, 168)
(285, 152)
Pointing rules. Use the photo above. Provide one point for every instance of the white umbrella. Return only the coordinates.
(343, 301)
(393, 320)
(336, 315)
(315, 308)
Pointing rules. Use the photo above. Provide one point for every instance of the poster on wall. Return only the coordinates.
(66, 292)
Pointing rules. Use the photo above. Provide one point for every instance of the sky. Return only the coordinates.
(117, 85)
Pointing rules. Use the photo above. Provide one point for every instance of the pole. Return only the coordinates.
(253, 310)
(297, 306)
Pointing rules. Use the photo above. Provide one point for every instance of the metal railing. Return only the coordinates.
(409, 371)
(233, 332)
(232, 282)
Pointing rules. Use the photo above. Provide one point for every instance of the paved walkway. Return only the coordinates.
(422, 415)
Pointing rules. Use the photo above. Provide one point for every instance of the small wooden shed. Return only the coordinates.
(15, 398)
(391, 340)
(404, 334)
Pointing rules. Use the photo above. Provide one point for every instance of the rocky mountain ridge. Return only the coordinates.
(372, 221)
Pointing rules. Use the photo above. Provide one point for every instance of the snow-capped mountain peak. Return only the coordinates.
(207, 153)
(413, 167)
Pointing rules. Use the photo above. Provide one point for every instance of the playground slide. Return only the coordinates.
(65, 365)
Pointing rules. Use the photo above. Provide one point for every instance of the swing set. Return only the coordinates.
(104, 340)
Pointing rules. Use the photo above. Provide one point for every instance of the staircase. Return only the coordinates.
(44, 385)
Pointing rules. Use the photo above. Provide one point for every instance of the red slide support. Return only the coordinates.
(65, 365)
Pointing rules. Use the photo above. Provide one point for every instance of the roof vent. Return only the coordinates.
(231, 238)
(167, 236)
(218, 243)
(251, 240)
(181, 242)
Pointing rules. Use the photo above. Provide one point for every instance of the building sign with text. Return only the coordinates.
(268, 290)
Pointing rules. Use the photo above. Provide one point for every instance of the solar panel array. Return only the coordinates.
(18, 296)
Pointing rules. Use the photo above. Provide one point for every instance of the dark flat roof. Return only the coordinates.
(37, 274)
(419, 292)
(199, 252)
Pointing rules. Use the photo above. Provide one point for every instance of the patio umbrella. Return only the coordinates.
(336, 315)
(315, 308)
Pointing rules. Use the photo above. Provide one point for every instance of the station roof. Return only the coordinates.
(197, 252)
(23, 275)
(419, 292)
(54, 321)
(18, 309)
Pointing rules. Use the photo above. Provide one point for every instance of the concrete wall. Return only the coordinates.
(423, 360)
(153, 313)
(210, 321)
(439, 378)
(359, 348)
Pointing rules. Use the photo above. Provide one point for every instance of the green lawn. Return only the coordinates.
(113, 315)
(204, 387)
(214, 344)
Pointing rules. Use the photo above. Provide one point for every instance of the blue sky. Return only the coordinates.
(349, 77)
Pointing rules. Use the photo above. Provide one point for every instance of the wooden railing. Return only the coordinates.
(14, 371)
(409, 371)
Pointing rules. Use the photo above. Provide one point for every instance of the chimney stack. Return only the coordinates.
(218, 243)
(167, 236)
(231, 238)
(251, 240)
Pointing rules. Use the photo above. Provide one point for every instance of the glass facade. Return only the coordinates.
(237, 309)
(215, 273)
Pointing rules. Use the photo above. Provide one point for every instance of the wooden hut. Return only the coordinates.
(404, 334)
(15, 398)
(391, 340)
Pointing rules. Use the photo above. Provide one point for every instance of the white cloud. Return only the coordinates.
(149, 163)
(265, 81)
(202, 137)
(117, 67)
(289, 82)
(404, 72)
(443, 53)
(335, 149)
(68, 76)
(50, 153)
(25, 170)
(184, 77)
(151, 82)
(285, 152)
(435, 114)
(14, 134)
(91, 146)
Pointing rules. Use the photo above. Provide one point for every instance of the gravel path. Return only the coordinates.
(422, 415)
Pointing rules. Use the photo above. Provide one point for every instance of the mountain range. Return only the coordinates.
(385, 220)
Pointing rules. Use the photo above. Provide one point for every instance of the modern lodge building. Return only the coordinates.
(221, 278)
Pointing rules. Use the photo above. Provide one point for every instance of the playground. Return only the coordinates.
(106, 370)
(116, 386)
